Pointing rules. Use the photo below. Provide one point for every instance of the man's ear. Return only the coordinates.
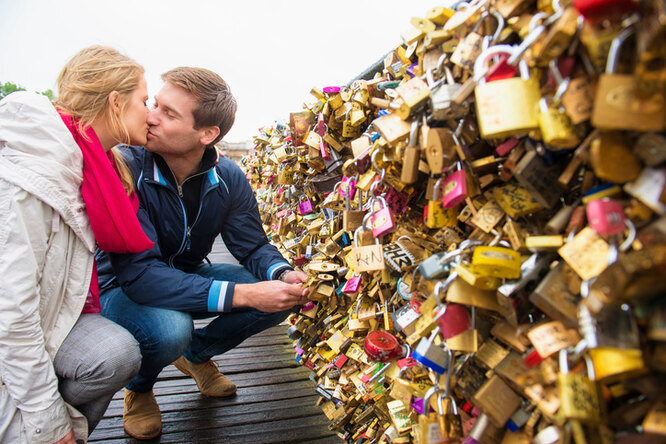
(208, 134)
(114, 102)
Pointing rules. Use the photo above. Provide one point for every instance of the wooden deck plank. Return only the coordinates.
(275, 401)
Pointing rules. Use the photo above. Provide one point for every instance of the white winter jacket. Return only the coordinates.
(46, 260)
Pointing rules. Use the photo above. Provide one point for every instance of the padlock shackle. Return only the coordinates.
(362, 227)
(480, 65)
(564, 361)
(528, 41)
(614, 50)
(500, 24)
(449, 370)
(444, 286)
(438, 186)
(414, 132)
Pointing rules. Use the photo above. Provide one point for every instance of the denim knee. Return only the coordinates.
(168, 338)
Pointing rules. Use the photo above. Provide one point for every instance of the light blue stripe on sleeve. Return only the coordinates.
(214, 296)
(274, 268)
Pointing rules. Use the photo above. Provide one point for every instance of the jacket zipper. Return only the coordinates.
(186, 243)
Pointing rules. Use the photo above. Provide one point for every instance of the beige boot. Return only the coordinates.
(141, 416)
(207, 376)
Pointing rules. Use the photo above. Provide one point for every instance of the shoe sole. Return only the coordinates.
(200, 390)
(143, 437)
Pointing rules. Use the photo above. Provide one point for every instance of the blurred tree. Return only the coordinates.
(9, 87)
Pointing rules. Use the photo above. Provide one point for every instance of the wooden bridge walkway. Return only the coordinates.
(275, 401)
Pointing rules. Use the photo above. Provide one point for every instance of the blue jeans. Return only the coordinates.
(165, 335)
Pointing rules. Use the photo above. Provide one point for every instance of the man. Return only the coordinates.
(189, 195)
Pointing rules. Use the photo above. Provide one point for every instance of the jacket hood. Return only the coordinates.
(39, 154)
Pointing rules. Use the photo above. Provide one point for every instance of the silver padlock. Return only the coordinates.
(435, 357)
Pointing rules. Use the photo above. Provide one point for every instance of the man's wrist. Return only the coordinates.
(282, 274)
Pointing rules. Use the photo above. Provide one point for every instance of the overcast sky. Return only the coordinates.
(270, 52)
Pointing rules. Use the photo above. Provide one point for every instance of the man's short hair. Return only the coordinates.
(217, 107)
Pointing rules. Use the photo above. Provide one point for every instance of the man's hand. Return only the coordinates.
(295, 277)
(67, 439)
(271, 296)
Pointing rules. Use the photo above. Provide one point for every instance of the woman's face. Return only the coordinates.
(135, 114)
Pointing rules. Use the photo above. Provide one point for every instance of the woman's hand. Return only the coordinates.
(67, 439)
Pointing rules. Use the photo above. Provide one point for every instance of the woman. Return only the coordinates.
(59, 195)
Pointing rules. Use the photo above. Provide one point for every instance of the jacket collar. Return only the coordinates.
(157, 168)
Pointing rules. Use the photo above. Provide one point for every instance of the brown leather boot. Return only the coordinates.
(141, 416)
(208, 377)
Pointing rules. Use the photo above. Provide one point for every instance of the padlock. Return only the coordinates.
(434, 214)
(557, 131)
(439, 147)
(606, 216)
(443, 92)
(497, 261)
(505, 107)
(471, 45)
(559, 36)
(414, 93)
(411, 157)
(434, 357)
(598, 10)
(352, 285)
(305, 206)
(352, 219)
(381, 220)
(454, 321)
(369, 257)
(382, 346)
(579, 398)
(455, 187)
(611, 158)
(616, 103)
(613, 341)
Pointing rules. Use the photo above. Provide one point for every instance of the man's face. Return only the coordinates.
(171, 121)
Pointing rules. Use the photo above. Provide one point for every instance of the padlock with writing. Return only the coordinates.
(579, 398)
(497, 261)
(616, 103)
(505, 107)
(368, 257)
(606, 216)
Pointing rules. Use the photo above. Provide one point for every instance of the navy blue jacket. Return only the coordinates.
(162, 277)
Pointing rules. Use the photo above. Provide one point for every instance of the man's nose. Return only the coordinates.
(152, 117)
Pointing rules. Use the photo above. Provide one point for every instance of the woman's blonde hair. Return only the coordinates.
(84, 85)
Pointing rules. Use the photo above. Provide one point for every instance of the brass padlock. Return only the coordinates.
(617, 104)
(579, 398)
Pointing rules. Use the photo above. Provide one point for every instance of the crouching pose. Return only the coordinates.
(60, 194)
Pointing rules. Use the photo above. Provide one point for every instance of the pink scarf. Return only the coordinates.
(111, 212)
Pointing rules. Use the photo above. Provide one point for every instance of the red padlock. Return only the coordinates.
(454, 321)
(596, 11)
(382, 346)
(606, 216)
